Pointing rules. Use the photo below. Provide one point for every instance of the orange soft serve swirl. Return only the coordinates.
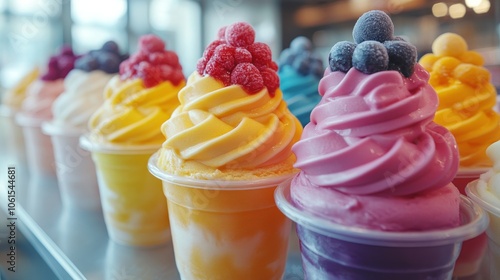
(224, 127)
(466, 97)
(133, 113)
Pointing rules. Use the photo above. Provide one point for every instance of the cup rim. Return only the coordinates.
(52, 129)
(91, 146)
(213, 184)
(476, 224)
(471, 191)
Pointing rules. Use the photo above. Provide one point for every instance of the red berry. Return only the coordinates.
(240, 34)
(224, 55)
(151, 75)
(209, 50)
(273, 65)
(200, 65)
(216, 70)
(166, 71)
(177, 77)
(172, 58)
(242, 55)
(151, 43)
(221, 33)
(158, 58)
(271, 80)
(248, 76)
(261, 53)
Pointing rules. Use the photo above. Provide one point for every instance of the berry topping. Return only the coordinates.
(240, 34)
(300, 56)
(60, 65)
(402, 56)
(107, 59)
(234, 58)
(376, 48)
(373, 26)
(370, 57)
(152, 63)
(340, 57)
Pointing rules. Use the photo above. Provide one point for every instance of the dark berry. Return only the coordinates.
(111, 46)
(340, 57)
(240, 34)
(370, 57)
(109, 62)
(248, 76)
(87, 63)
(316, 68)
(402, 54)
(151, 43)
(287, 57)
(242, 55)
(374, 25)
(301, 43)
(301, 64)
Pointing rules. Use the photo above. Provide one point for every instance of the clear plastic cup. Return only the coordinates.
(133, 204)
(75, 169)
(225, 230)
(14, 138)
(333, 251)
(473, 250)
(493, 231)
(39, 150)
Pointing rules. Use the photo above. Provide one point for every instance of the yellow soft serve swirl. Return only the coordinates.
(466, 97)
(226, 128)
(133, 114)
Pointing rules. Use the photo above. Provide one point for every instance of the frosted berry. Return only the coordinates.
(200, 65)
(271, 80)
(286, 57)
(402, 56)
(242, 55)
(221, 33)
(301, 64)
(240, 34)
(370, 57)
(301, 43)
(209, 50)
(109, 62)
(151, 43)
(340, 57)
(111, 46)
(261, 53)
(248, 76)
(224, 55)
(373, 26)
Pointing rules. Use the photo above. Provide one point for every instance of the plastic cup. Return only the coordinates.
(133, 204)
(333, 251)
(75, 169)
(493, 231)
(14, 139)
(225, 230)
(39, 150)
(473, 250)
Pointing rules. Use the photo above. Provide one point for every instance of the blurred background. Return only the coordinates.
(32, 30)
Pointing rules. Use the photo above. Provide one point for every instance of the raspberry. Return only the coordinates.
(224, 55)
(200, 65)
(151, 75)
(177, 77)
(240, 34)
(172, 58)
(248, 76)
(273, 65)
(215, 69)
(151, 43)
(166, 71)
(242, 55)
(271, 80)
(261, 53)
(221, 34)
(209, 50)
(158, 58)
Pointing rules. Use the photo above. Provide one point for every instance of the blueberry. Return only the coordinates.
(399, 38)
(109, 62)
(287, 57)
(340, 57)
(111, 46)
(370, 57)
(301, 43)
(403, 55)
(373, 26)
(86, 63)
(317, 68)
(301, 64)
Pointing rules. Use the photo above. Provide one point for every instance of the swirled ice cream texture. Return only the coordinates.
(488, 187)
(466, 97)
(132, 114)
(82, 96)
(40, 96)
(373, 151)
(15, 96)
(218, 131)
(299, 91)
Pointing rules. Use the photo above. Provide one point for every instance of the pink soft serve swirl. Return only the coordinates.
(374, 134)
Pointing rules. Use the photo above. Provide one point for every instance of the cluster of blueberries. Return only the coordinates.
(301, 58)
(107, 59)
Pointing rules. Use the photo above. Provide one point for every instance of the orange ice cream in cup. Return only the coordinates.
(228, 145)
(124, 133)
(467, 100)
